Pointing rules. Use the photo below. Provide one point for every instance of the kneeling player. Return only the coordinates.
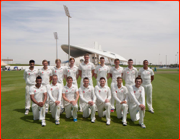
(38, 95)
(88, 98)
(137, 102)
(55, 94)
(120, 94)
(103, 95)
(70, 95)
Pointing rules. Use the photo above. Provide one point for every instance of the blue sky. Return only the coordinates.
(137, 30)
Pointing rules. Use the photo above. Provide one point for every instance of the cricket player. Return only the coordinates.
(46, 74)
(86, 69)
(72, 71)
(38, 94)
(120, 94)
(115, 71)
(30, 78)
(103, 95)
(137, 102)
(55, 94)
(102, 71)
(71, 95)
(147, 76)
(88, 99)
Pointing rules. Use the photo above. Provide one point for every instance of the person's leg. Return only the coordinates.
(125, 108)
(35, 110)
(112, 99)
(27, 100)
(85, 110)
(100, 109)
(149, 97)
(118, 110)
(93, 111)
(134, 114)
(108, 111)
(42, 113)
(75, 109)
(47, 101)
(142, 114)
(52, 108)
(68, 111)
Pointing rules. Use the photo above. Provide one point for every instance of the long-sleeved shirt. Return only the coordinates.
(30, 76)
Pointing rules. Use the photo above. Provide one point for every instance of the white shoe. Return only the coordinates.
(43, 123)
(124, 123)
(26, 112)
(93, 120)
(142, 125)
(57, 122)
(108, 122)
(152, 111)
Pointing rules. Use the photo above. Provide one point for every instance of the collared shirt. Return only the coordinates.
(102, 93)
(129, 75)
(71, 72)
(55, 92)
(102, 71)
(38, 93)
(87, 94)
(30, 76)
(86, 69)
(70, 93)
(136, 95)
(120, 94)
(146, 75)
(59, 72)
(45, 75)
(116, 73)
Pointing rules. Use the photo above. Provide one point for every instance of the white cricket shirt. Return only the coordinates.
(30, 76)
(45, 75)
(146, 75)
(86, 69)
(129, 75)
(59, 72)
(102, 71)
(71, 72)
(116, 73)
(55, 92)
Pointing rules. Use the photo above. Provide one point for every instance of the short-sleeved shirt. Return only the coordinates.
(70, 93)
(86, 69)
(102, 71)
(55, 91)
(60, 72)
(120, 93)
(146, 75)
(116, 73)
(71, 72)
(45, 75)
(129, 75)
(38, 93)
(30, 76)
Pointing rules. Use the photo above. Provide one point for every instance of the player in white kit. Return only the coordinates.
(115, 71)
(70, 95)
(102, 71)
(103, 95)
(86, 69)
(120, 94)
(30, 79)
(55, 94)
(38, 94)
(45, 74)
(147, 76)
(88, 98)
(137, 102)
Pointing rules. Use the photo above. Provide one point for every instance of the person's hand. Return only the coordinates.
(107, 100)
(142, 107)
(90, 103)
(123, 102)
(73, 103)
(40, 104)
(57, 102)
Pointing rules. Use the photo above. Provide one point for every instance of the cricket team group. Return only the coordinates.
(45, 88)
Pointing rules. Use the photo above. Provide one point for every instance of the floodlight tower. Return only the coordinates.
(56, 37)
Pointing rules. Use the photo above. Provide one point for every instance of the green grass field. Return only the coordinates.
(164, 124)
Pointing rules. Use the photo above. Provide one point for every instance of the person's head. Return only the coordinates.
(138, 81)
(38, 80)
(45, 63)
(102, 60)
(58, 62)
(145, 63)
(119, 80)
(54, 79)
(69, 80)
(130, 62)
(102, 81)
(31, 63)
(86, 57)
(86, 81)
(71, 61)
(116, 62)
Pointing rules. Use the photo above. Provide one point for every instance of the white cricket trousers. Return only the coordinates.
(27, 97)
(119, 109)
(148, 92)
(136, 113)
(62, 100)
(112, 97)
(55, 110)
(101, 107)
(74, 111)
(86, 111)
(47, 100)
(38, 112)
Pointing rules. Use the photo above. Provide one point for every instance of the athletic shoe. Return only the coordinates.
(75, 120)
(142, 125)
(80, 110)
(57, 122)
(43, 123)
(62, 110)
(26, 112)
(112, 110)
(124, 123)
(108, 122)
(46, 110)
(93, 120)
(152, 111)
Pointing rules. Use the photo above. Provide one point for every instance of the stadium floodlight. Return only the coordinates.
(68, 15)
(56, 37)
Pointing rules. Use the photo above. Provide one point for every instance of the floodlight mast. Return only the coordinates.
(56, 37)
(68, 15)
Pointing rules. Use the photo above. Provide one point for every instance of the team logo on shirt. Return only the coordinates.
(116, 91)
(83, 91)
(55, 71)
(68, 70)
(104, 69)
(122, 90)
(51, 89)
(119, 71)
(41, 89)
(105, 90)
(89, 90)
(127, 72)
(99, 91)
(72, 89)
(99, 69)
(89, 67)
(66, 90)
(29, 73)
(34, 90)
(134, 91)
(42, 71)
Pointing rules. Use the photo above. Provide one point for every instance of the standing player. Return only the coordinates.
(115, 72)
(70, 95)
(120, 94)
(30, 78)
(55, 94)
(147, 76)
(102, 71)
(46, 74)
(38, 95)
(137, 102)
(103, 95)
(88, 99)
